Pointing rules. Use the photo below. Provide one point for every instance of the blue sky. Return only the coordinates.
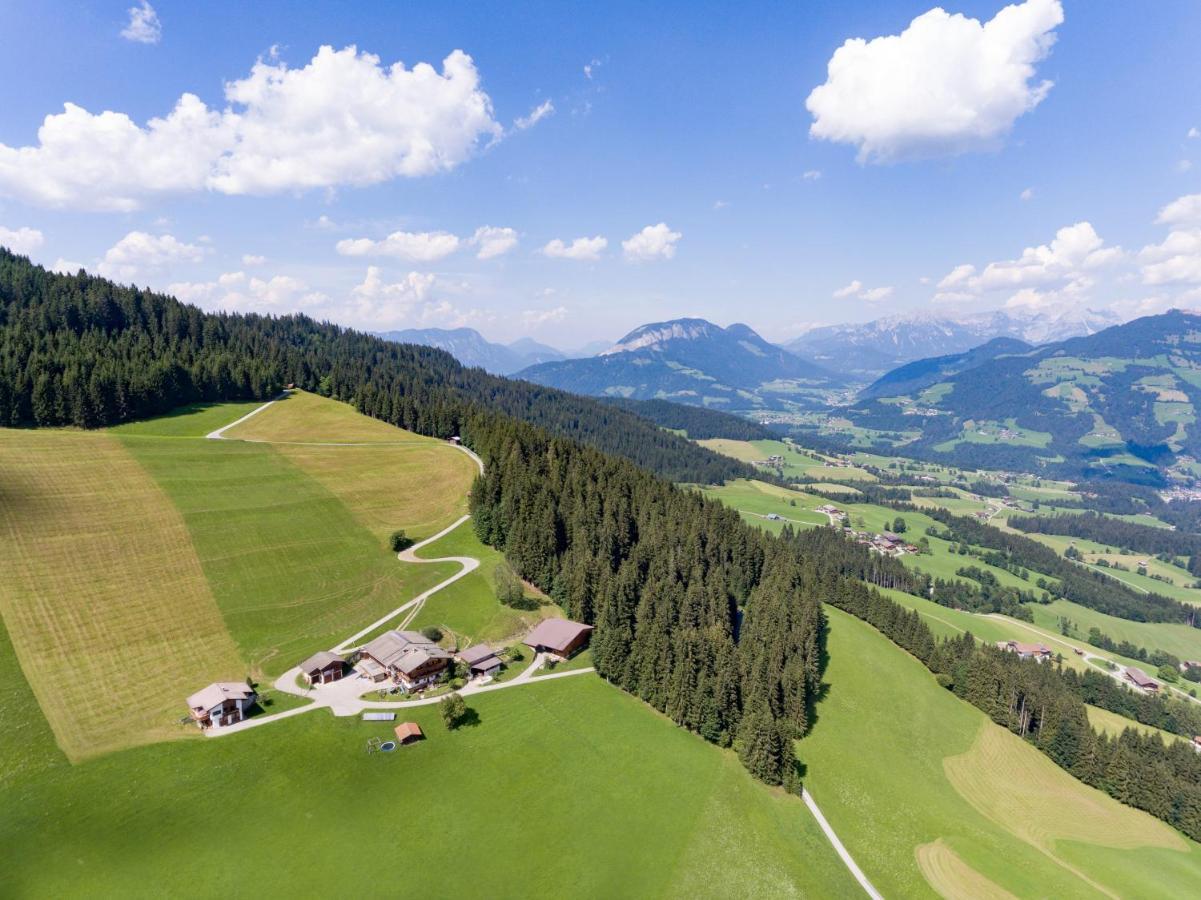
(692, 117)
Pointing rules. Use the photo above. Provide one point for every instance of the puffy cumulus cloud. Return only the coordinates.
(1176, 260)
(143, 26)
(532, 318)
(491, 242)
(1194, 133)
(418, 246)
(536, 115)
(343, 119)
(812, 175)
(1026, 194)
(1076, 251)
(23, 241)
(582, 248)
(381, 303)
(139, 251)
(652, 242)
(946, 85)
(849, 291)
(1186, 209)
(856, 289)
(235, 292)
(66, 266)
(250, 259)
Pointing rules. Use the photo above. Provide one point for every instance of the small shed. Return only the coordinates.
(407, 732)
(480, 660)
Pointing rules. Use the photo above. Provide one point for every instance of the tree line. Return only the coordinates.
(80, 350)
(695, 612)
(1117, 533)
(1040, 702)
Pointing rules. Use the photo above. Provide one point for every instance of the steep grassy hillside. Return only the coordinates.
(548, 781)
(932, 798)
(292, 537)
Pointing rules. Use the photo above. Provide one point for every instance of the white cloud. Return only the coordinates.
(591, 67)
(1194, 133)
(532, 318)
(419, 246)
(1184, 165)
(250, 259)
(946, 85)
(1075, 251)
(139, 251)
(378, 303)
(720, 204)
(493, 241)
(537, 114)
(812, 175)
(343, 119)
(1181, 210)
(143, 26)
(1177, 260)
(234, 292)
(66, 266)
(582, 248)
(22, 241)
(652, 242)
(1027, 194)
(856, 289)
(849, 291)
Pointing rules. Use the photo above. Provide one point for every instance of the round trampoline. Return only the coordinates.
(387, 746)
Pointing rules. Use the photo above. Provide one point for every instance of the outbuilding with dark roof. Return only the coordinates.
(559, 637)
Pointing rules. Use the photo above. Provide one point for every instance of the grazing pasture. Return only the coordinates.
(569, 778)
(898, 764)
(103, 593)
(295, 559)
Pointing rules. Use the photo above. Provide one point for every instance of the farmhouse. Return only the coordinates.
(1141, 680)
(409, 658)
(1026, 651)
(480, 660)
(558, 637)
(407, 732)
(220, 704)
(323, 667)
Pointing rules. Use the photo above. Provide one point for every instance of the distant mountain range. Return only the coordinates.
(865, 351)
(1121, 402)
(471, 348)
(912, 377)
(695, 362)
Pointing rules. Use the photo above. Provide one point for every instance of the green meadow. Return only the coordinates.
(932, 798)
(570, 779)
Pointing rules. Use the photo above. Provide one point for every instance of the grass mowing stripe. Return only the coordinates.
(103, 594)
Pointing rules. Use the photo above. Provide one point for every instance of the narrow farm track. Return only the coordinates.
(343, 702)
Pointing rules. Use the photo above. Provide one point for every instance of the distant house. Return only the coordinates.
(1197, 743)
(1141, 680)
(1189, 664)
(407, 732)
(1039, 652)
(558, 637)
(455, 439)
(480, 660)
(409, 658)
(220, 704)
(774, 517)
(323, 667)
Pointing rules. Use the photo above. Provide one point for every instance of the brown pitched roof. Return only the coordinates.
(319, 661)
(478, 653)
(1141, 678)
(218, 692)
(406, 730)
(557, 634)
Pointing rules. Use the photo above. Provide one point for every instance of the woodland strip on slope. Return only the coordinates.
(663, 573)
(1040, 702)
(80, 350)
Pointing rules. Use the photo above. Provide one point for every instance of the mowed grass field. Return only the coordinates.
(292, 537)
(141, 563)
(564, 788)
(931, 798)
(103, 592)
